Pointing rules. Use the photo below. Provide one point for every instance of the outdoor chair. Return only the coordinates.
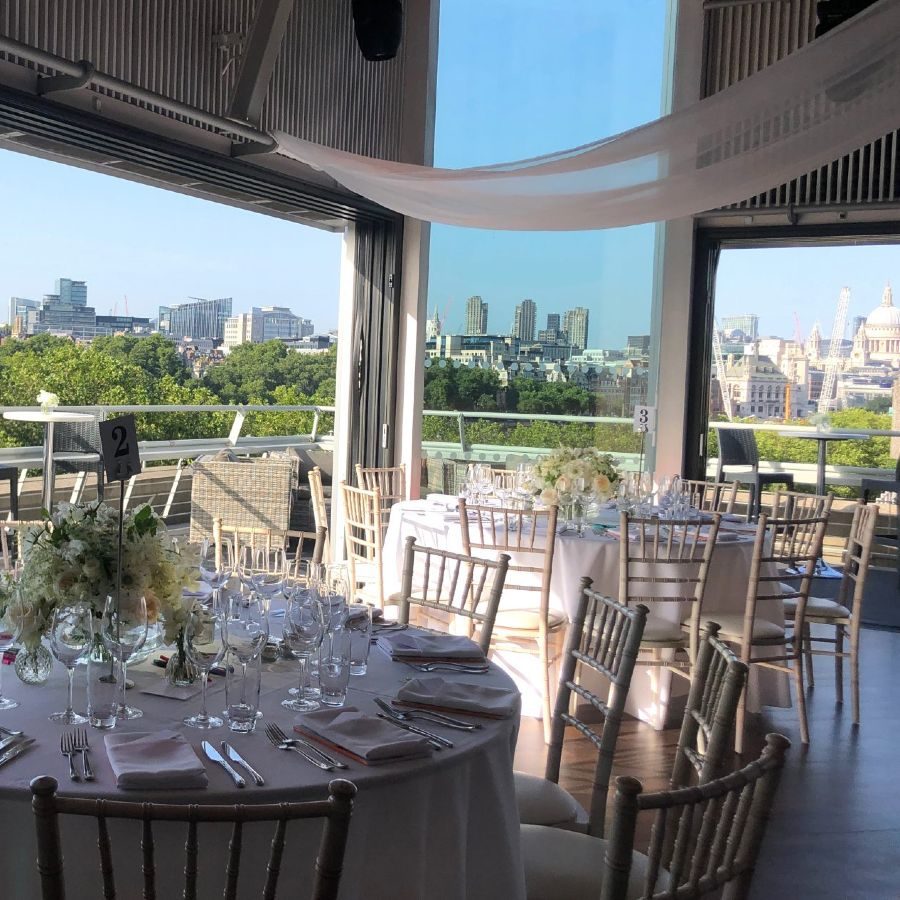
(391, 484)
(453, 584)
(711, 496)
(77, 449)
(879, 486)
(320, 511)
(11, 475)
(737, 449)
(48, 806)
(704, 838)
(363, 546)
(845, 613)
(529, 537)
(12, 548)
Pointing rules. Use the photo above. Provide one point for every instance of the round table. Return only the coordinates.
(441, 827)
(48, 419)
(597, 556)
(823, 437)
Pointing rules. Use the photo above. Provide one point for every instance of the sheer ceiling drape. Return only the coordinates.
(827, 99)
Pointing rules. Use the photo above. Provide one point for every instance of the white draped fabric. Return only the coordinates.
(827, 99)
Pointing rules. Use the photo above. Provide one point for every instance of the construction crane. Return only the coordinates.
(720, 371)
(835, 347)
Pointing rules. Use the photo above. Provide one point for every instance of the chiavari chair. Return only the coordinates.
(711, 496)
(320, 512)
(390, 481)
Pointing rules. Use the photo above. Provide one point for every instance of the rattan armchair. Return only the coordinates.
(48, 806)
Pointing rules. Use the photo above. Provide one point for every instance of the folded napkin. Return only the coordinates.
(440, 693)
(367, 739)
(419, 645)
(157, 761)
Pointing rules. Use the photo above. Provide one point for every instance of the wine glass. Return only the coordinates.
(11, 625)
(269, 570)
(123, 631)
(304, 628)
(580, 501)
(246, 631)
(485, 482)
(71, 633)
(215, 565)
(246, 565)
(204, 645)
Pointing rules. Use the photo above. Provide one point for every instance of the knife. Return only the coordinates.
(13, 752)
(215, 756)
(435, 740)
(234, 756)
(6, 743)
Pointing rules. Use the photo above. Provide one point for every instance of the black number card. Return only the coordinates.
(118, 439)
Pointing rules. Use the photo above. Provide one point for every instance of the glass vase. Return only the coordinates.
(180, 671)
(33, 665)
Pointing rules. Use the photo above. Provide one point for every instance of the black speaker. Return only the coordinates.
(379, 26)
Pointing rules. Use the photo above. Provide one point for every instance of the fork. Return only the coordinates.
(82, 746)
(10, 732)
(450, 667)
(67, 748)
(285, 744)
(276, 729)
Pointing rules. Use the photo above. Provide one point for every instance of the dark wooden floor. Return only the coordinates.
(835, 832)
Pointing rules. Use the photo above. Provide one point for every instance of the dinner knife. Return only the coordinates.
(217, 757)
(234, 756)
(6, 743)
(435, 740)
(14, 751)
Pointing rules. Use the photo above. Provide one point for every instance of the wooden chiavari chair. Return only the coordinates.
(455, 584)
(230, 539)
(704, 839)
(603, 639)
(711, 496)
(320, 512)
(667, 561)
(363, 544)
(48, 806)
(12, 540)
(529, 537)
(843, 614)
(797, 505)
(389, 481)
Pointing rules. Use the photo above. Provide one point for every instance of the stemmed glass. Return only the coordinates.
(215, 572)
(71, 633)
(205, 645)
(304, 628)
(246, 631)
(123, 631)
(11, 624)
(269, 570)
(485, 481)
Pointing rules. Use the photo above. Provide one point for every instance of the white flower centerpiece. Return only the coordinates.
(72, 557)
(47, 401)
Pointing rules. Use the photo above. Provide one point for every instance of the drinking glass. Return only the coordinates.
(485, 482)
(123, 631)
(103, 689)
(471, 484)
(204, 644)
(214, 573)
(333, 590)
(269, 569)
(334, 667)
(71, 634)
(10, 631)
(359, 624)
(246, 629)
(304, 628)
(644, 492)
(242, 686)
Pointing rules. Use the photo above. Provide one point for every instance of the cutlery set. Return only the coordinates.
(11, 745)
(234, 756)
(306, 749)
(72, 742)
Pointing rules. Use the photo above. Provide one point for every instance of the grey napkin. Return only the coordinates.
(411, 644)
(160, 761)
(446, 694)
(370, 739)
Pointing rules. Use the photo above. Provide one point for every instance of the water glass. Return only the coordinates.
(304, 628)
(334, 667)
(123, 631)
(359, 624)
(242, 686)
(104, 687)
(204, 645)
(71, 636)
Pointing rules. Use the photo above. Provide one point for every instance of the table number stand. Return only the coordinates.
(644, 424)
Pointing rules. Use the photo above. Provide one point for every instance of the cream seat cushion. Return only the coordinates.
(661, 631)
(566, 865)
(543, 802)
(522, 619)
(732, 626)
(818, 606)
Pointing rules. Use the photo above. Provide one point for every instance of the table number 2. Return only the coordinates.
(118, 439)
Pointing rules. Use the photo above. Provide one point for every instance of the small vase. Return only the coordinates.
(34, 666)
(180, 671)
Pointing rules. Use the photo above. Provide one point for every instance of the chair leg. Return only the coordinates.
(854, 672)
(546, 712)
(740, 723)
(801, 698)
(807, 649)
(839, 663)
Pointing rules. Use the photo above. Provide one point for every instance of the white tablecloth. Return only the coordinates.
(597, 556)
(446, 827)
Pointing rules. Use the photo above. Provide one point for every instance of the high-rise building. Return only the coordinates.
(269, 323)
(553, 322)
(476, 315)
(747, 324)
(73, 292)
(525, 320)
(637, 345)
(196, 319)
(575, 324)
(19, 306)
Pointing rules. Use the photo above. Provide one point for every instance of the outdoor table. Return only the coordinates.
(49, 420)
(823, 437)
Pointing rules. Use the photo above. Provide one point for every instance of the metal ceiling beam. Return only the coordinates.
(258, 59)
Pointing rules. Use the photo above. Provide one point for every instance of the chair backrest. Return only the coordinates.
(783, 547)
(317, 501)
(389, 480)
(737, 447)
(229, 539)
(858, 556)
(77, 437)
(711, 496)
(363, 537)
(705, 839)
(528, 536)
(13, 549)
(336, 810)
(667, 560)
(309, 546)
(717, 681)
(797, 505)
(453, 583)
(603, 637)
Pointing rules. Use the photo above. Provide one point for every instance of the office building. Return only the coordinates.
(18, 309)
(476, 316)
(268, 323)
(637, 345)
(524, 320)
(575, 324)
(195, 319)
(553, 322)
(73, 292)
(746, 324)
